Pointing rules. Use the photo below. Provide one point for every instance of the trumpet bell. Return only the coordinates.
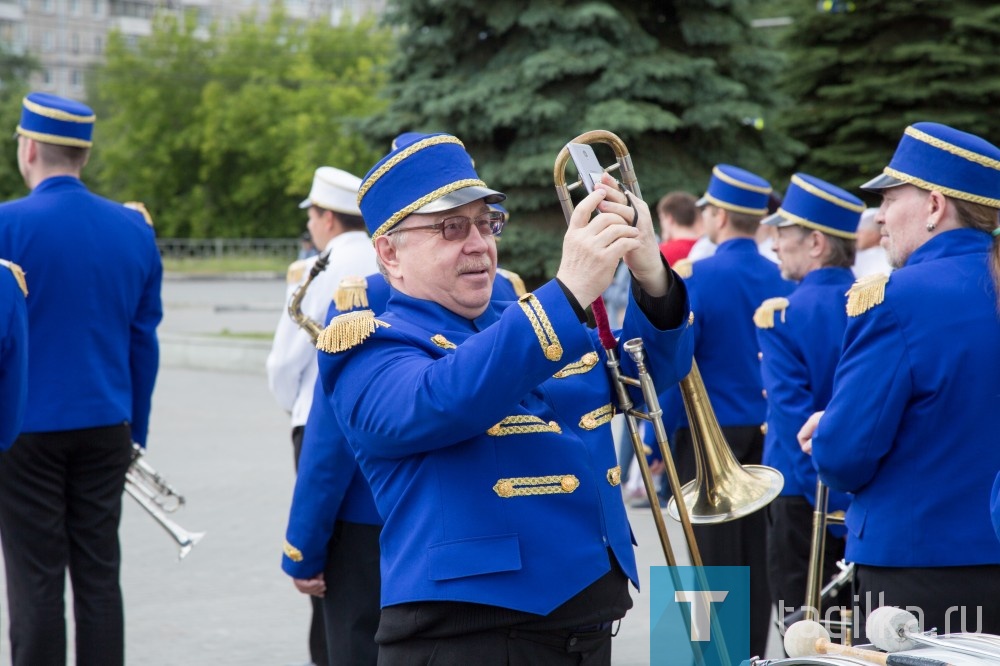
(722, 490)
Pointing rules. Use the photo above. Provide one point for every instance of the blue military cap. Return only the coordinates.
(406, 138)
(816, 204)
(736, 189)
(932, 156)
(429, 175)
(58, 120)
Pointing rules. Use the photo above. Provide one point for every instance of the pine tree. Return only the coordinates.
(861, 76)
(683, 83)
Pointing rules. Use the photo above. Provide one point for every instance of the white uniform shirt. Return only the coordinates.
(291, 365)
(870, 261)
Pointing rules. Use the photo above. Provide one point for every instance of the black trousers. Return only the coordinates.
(60, 507)
(951, 599)
(740, 542)
(789, 542)
(353, 590)
(317, 631)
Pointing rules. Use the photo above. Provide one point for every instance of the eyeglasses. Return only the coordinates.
(457, 228)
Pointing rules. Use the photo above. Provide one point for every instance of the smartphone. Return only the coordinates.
(587, 166)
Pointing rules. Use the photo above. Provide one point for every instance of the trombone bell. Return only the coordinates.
(722, 490)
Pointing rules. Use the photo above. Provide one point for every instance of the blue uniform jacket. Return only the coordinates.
(912, 426)
(13, 358)
(330, 486)
(95, 276)
(995, 505)
(799, 357)
(725, 290)
(488, 447)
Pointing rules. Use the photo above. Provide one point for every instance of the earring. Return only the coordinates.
(930, 227)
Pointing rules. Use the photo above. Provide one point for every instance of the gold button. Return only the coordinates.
(615, 475)
(590, 359)
(569, 484)
(554, 352)
(764, 393)
(589, 422)
(760, 356)
(555, 427)
(763, 429)
(504, 488)
(691, 318)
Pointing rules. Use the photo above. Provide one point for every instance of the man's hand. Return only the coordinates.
(807, 431)
(315, 586)
(593, 248)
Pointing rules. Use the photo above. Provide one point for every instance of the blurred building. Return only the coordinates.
(69, 36)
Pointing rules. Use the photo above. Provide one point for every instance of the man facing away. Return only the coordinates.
(485, 434)
(95, 275)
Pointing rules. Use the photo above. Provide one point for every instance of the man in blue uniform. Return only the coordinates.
(13, 351)
(95, 277)
(725, 290)
(799, 338)
(485, 434)
(912, 424)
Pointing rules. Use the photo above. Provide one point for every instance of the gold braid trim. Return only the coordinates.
(866, 293)
(951, 148)
(524, 486)
(515, 281)
(443, 342)
(414, 147)
(826, 196)
(352, 292)
(54, 138)
(733, 207)
(542, 326)
(293, 553)
(56, 114)
(598, 417)
(423, 201)
(585, 364)
(726, 178)
(141, 208)
(809, 224)
(18, 273)
(764, 316)
(926, 185)
(522, 424)
(684, 268)
(348, 330)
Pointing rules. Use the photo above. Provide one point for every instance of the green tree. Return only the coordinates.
(14, 71)
(861, 76)
(223, 134)
(682, 82)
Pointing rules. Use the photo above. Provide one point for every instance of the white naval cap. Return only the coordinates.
(334, 189)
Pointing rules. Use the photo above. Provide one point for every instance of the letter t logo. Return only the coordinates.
(701, 610)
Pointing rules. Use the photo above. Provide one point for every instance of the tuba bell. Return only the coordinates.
(723, 490)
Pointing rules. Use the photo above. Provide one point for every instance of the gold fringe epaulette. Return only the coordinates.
(683, 267)
(140, 207)
(293, 553)
(295, 271)
(764, 316)
(352, 292)
(18, 273)
(515, 281)
(866, 293)
(348, 330)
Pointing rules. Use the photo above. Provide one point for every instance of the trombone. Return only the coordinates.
(816, 592)
(722, 490)
(158, 498)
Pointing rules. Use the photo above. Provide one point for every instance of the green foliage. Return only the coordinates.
(220, 136)
(14, 72)
(861, 77)
(680, 81)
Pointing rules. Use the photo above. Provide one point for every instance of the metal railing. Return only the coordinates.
(225, 248)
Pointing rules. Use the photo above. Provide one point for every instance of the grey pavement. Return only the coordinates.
(217, 435)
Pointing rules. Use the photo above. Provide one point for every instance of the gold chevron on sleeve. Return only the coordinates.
(542, 326)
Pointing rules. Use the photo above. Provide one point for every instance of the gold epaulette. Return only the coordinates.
(293, 553)
(18, 275)
(764, 316)
(348, 330)
(683, 267)
(866, 293)
(352, 292)
(140, 207)
(296, 270)
(515, 281)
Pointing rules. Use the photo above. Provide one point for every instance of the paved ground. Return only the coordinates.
(218, 436)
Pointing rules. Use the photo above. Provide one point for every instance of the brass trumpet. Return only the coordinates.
(723, 490)
(158, 498)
